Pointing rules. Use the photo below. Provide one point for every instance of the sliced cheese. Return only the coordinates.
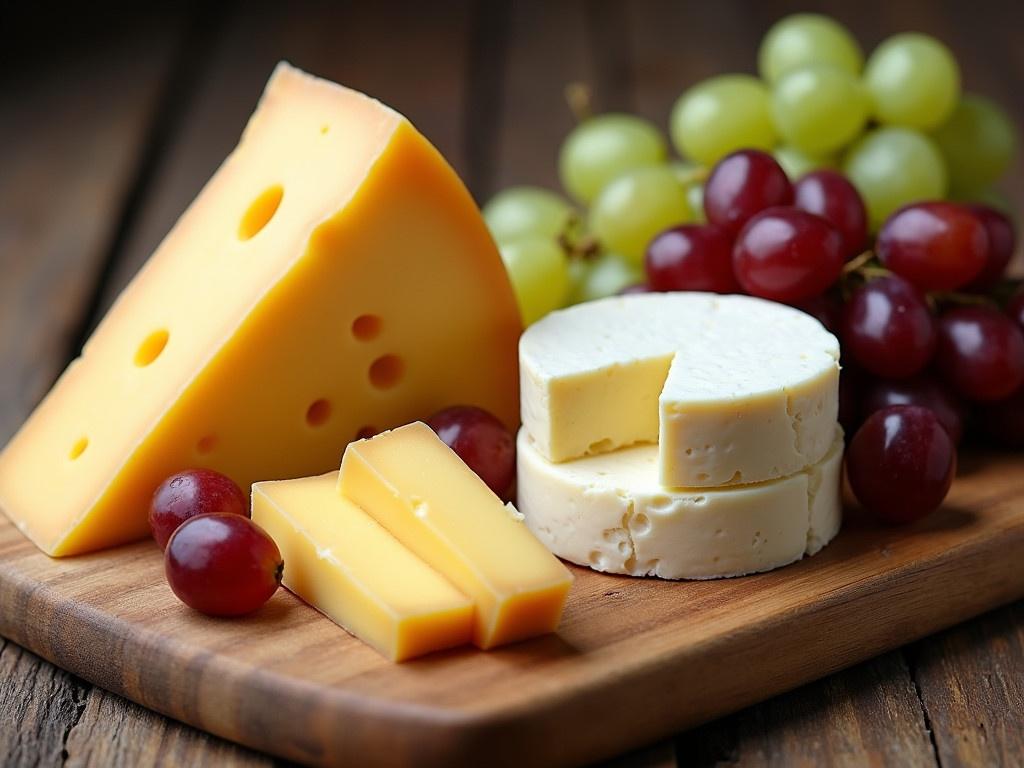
(334, 276)
(421, 491)
(735, 390)
(610, 512)
(348, 567)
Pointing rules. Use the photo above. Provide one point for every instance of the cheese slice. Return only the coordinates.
(611, 513)
(421, 491)
(334, 276)
(734, 389)
(346, 566)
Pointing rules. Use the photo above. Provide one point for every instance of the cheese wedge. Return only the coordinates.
(421, 491)
(334, 276)
(610, 512)
(346, 566)
(734, 390)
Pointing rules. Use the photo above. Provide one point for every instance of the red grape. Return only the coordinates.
(1015, 309)
(481, 441)
(938, 246)
(191, 493)
(1001, 243)
(787, 255)
(692, 258)
(888, 329)
(829, 195)
(980, 353)
(741, 184)
(901, 463)
(1003, 420)
(222, 564)
(826, 308)
(920, 390)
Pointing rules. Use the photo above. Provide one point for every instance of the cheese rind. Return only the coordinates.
(420, 490)
(344, 564)
(734, 389)
(333, 276)
(610, 512)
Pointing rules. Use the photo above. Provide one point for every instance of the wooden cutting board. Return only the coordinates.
(635, 659)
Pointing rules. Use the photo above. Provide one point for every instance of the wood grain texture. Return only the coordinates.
(972, 688)
(868, 715)
(635, 659)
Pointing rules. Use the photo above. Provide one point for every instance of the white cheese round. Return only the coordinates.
(610, 512)
(735, 390)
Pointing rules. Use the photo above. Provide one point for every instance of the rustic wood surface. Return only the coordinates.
(111, 121)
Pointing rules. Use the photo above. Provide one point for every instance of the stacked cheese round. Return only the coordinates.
(681, 435)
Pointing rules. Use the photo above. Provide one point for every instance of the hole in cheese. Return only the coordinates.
(366, 432)
(260, 212)
(386, 371)
(366, 327)
(318, 413)
(78, 448)
(206, 444)
(151, 348)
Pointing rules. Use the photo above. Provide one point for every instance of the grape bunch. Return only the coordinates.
(859, 192)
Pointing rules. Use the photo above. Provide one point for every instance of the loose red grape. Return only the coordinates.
(924, 391)
(888, 329)
(480, 440)
(222, 564)
(1001, 242)
(787, 255)
(980, 353)
(1003, 420)
(938, 246)
(741, 184)
(901, 463)
(190, 493)
(830, 195)
(692, 258)
(826, 308)
(1015, 309)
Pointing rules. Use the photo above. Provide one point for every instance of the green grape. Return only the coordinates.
(807, 38)
(519, 212)
(692, 177)
(603, 147)
(914, 81)
(605, 275)
(539, 274)
(978, 142)
(892, 167)
(635, 207)
(819, 108)
(720, 115)
(796, 163)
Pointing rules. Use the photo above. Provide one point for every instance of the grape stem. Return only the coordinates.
(858, 262)
(579, 98)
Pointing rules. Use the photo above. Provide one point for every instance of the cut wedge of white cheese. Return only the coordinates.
(611, 513)
(734, 389)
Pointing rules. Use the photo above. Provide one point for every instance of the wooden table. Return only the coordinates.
(111, 122)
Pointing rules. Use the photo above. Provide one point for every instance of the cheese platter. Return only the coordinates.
(313, 487)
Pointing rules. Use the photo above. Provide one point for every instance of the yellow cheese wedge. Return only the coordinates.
(421, 491)
(333, 276)
(348, 567)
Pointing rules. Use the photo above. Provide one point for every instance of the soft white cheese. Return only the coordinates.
(610, 512)
(734, 389)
